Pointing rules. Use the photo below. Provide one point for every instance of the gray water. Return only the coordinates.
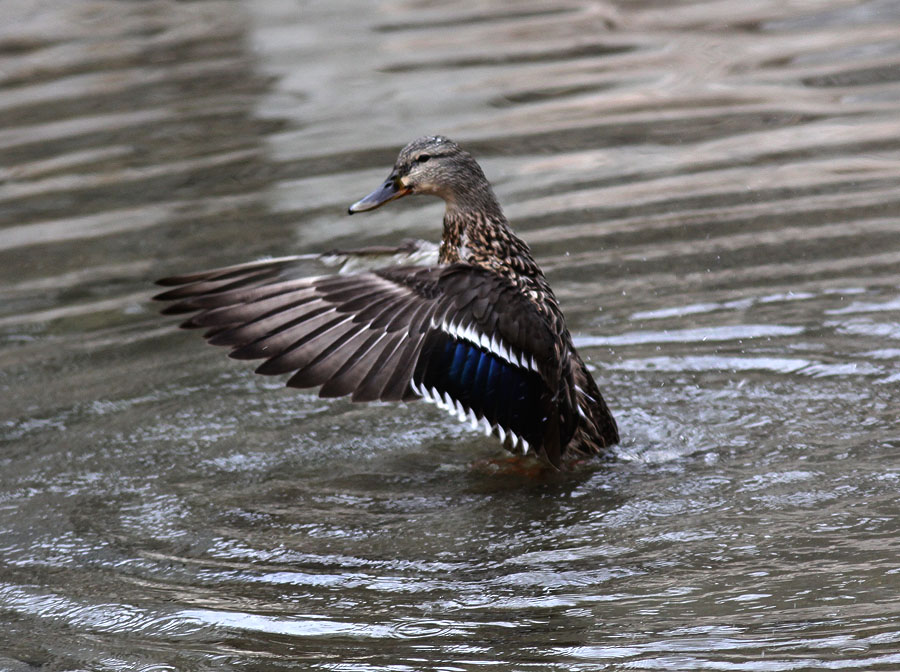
(713, 188)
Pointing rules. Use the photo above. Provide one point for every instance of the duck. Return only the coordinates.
(477, 331)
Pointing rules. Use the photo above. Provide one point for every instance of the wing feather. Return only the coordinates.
(330, 356)
(247, 324)
(462, 333)
(349, 378)
(244, 309)
(266, 266)
(301, 340)
(281, 337)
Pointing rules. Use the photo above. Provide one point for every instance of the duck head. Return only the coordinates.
(436, 166)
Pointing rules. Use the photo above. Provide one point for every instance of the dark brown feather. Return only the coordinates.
(485, 316)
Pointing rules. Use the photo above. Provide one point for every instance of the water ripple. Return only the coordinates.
(712, 190)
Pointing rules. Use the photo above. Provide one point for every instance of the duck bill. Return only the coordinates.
(391, 190)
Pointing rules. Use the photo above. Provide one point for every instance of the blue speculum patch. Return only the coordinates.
(503, 393)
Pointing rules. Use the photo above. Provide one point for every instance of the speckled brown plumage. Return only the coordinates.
(480, 333)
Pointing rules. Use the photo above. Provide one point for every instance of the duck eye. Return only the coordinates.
(422, 158)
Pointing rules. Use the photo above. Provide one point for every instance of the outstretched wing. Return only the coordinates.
(353, 334)
(456, 335)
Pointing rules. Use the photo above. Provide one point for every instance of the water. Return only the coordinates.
(712, 188)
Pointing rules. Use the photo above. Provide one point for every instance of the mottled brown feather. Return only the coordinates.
(368, 334)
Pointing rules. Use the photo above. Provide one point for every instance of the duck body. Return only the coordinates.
(480, 333)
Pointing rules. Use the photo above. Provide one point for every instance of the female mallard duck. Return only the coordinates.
(480, 333)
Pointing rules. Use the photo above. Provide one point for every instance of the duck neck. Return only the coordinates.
(471, 217)
(478, 237)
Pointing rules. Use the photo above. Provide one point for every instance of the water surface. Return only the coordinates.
(713, 188)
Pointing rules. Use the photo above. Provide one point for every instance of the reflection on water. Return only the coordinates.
(712, 189)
